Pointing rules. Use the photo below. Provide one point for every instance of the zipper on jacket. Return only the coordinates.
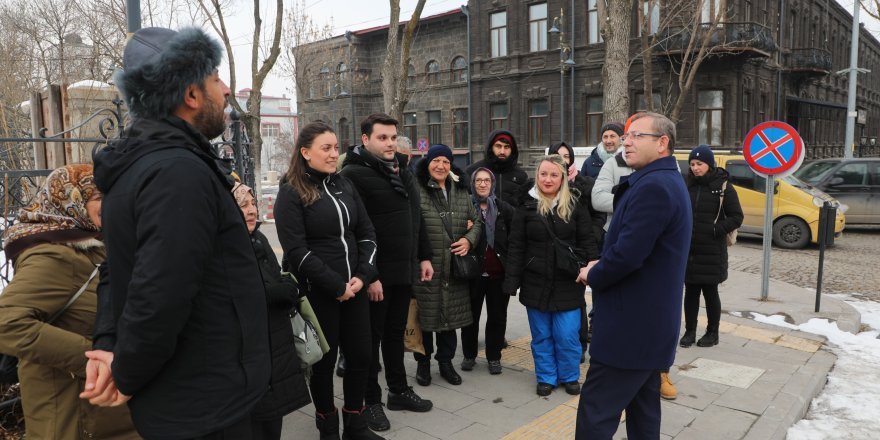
(341, 225)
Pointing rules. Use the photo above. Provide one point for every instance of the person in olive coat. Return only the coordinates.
(287, 385)
(707, 259)
(444, 301)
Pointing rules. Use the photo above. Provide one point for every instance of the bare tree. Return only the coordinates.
(615, 29)
(872, 7)
(396, 65)
(302, 60)
(214, 11)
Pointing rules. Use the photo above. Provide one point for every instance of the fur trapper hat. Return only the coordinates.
(159, 64)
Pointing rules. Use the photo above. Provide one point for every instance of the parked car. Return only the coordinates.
(854, 182)
(795, 203)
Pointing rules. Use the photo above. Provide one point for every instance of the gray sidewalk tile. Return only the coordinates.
(674, 418)
(723, 423)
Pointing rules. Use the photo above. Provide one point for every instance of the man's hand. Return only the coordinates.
(582, 274)
(461, 247)
(347, 295)
(100, 390)
(427, 271)
(356, 284)
(375, 291)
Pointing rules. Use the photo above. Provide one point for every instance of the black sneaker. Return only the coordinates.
(494, 367)
(467, 364)
(708, 340)
(573, 388)
(544, 389)
(408, 401)
(375, 417)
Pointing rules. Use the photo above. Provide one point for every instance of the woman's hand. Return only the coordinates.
(356, 284)
(349, 294)
(426, 269)
(461, 247)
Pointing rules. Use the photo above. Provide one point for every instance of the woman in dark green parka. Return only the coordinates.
(444, 301)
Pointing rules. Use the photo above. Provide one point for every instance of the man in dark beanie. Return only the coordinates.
(608, 146)
(180, 318)
(502, 156)
(391, 197)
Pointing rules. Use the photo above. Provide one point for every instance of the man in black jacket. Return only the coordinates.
(182, 319)
(389, 193)
(502, 155)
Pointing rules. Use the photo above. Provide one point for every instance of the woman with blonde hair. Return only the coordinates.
(550, 239)
(47, 312)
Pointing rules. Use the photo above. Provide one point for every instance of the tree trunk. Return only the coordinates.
(395, 69)
(615, 71)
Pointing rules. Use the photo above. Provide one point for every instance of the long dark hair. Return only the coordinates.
(296, 172)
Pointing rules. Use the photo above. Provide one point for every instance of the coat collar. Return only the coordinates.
(663, 164)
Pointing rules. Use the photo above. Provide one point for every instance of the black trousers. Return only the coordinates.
(692, 306)
(346, 325)
(496, 318)
(267, 429)
(388, 322)
(242, 429)
(607, 392)
(446, 343)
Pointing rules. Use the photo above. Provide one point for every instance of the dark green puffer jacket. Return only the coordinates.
(444, 302)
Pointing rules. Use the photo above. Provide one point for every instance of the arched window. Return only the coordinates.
(344, 130)
(410, 75)
(432, 71)
(459, 70)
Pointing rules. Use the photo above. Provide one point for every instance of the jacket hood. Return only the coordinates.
(493, 161)
(145, 136)
(554, 149)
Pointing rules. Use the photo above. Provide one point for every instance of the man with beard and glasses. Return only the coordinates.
(181, 332)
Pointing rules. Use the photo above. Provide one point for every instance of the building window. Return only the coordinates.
(342, 77)
(746, 111)
(498, 113)
(762, 109)
(410, 76)
(432, 72)
(435, 127)
(650, 12)
(460, 128)
(344, 130)
(459, 70)
(748, 11)
(711, 108)
(711, 10)
(539, 131)
(498, 33)
(538, 27)
(409, 126)
(593, 33)
(269, 129)
(642, 106)
(594, 120)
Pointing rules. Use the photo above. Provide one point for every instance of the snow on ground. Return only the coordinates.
(849, 405)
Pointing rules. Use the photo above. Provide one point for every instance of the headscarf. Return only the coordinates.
(57, 213)
(491, 205)
(240, 191)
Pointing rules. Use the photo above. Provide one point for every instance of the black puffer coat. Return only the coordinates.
(287, 385)
(532, 265)
(707, 260)
(328, 242)
(393, 206)
(510, 176)
(444, 302)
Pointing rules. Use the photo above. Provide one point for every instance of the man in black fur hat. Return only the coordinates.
(181, 318)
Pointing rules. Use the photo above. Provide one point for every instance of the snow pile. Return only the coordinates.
(849, 405)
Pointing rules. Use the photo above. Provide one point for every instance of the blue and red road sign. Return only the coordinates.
(773, 148)
(422, 144)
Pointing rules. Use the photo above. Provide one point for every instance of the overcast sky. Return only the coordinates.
(354, 15)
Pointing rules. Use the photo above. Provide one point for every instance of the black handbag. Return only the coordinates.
(567, 257)
(466, 267)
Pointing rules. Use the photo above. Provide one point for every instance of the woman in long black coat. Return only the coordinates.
(707, 261)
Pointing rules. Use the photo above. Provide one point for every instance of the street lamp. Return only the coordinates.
(566, 62)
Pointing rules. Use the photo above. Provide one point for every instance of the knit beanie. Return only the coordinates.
(437, 150)
(704, 154)
(616, 127)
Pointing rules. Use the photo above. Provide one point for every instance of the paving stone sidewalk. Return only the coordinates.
(755, 384)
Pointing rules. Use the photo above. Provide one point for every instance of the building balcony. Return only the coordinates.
(810, 61)
(749, 39)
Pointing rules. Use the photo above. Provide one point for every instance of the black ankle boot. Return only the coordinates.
(355, 426)
(423, 373)
(447, 371)
(328, 425)
(708, 340)
(688, 339)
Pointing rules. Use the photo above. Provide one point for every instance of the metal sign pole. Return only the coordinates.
(768, 235)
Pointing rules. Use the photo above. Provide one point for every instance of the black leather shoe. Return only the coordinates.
(376, 419)
(494, 367)
(423, 373)
(467, 364)
(408, 401)
(687, 339)
(573, 388)
(447, 371)
(708, 340)
(544, 389)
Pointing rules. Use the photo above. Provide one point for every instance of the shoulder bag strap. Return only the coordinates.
(442, 213)
(74, 297)
(721, 201)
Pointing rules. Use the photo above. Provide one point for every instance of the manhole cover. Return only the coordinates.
(734, 375)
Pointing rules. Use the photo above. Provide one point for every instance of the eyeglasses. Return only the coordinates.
(636, 135)
(483, 181)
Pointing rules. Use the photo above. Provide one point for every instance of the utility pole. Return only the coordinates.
(853, 71)
(133, 16)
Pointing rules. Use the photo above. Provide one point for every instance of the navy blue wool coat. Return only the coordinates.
(638, 282)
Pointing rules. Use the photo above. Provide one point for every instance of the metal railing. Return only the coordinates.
(809, 58)
(726, 36)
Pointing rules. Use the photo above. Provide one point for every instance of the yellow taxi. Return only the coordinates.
(795, 203)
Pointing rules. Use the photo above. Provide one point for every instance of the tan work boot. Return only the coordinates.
(667, 389)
